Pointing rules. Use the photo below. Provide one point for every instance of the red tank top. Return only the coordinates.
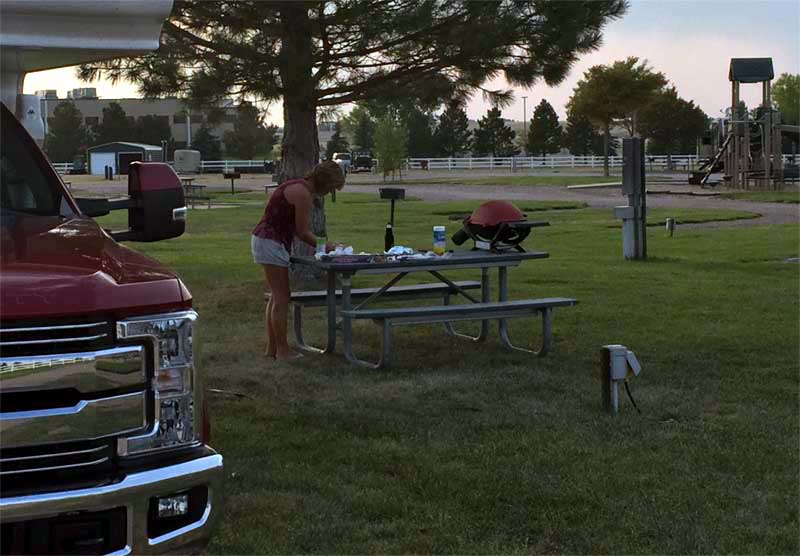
(277, 223)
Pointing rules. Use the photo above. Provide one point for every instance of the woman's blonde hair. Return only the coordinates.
(325, 173)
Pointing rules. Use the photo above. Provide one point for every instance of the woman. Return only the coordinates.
(288, 214)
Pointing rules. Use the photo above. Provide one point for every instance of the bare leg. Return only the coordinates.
(278, 279)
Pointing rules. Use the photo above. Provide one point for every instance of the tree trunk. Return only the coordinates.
(300, 143)
(606, 141)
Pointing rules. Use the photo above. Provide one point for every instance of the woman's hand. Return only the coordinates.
(331, 246)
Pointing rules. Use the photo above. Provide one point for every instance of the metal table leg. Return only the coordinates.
(347, 328)
(503, 323)
(485, 298)
(330, 300)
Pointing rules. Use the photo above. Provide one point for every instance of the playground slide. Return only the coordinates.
(701, 175)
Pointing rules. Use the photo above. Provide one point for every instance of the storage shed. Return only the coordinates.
(119, 155)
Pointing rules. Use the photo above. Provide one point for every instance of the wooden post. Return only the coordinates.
(766, 139)
(734, 129)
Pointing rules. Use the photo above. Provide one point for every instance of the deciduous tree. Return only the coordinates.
(786, 95)
(544, 134)
(611, 94)
(671, 124)
(391, 145)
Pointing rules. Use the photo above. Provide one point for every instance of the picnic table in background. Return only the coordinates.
(194, 192)
(484, 309)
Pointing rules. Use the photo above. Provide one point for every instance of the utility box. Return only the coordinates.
(187, 161)
(634, 215)
(618, 364)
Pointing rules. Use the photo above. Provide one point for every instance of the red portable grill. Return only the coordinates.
(496, 226)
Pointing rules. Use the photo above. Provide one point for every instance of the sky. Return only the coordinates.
(691, 42)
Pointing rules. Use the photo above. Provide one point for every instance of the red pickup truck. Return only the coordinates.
(103, 428)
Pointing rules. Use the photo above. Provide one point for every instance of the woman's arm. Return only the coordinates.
(300, 197)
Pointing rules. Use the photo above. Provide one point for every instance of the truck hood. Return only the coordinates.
(52, 266)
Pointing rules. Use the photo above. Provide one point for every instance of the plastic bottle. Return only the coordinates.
(388, 238)
(439, 240)
(321, 242)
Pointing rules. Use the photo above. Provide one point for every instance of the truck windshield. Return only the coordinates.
(24, 185)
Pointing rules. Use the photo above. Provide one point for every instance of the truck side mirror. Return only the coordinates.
(158, 210)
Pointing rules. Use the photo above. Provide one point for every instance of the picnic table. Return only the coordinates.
(194, 191)
(482, 309)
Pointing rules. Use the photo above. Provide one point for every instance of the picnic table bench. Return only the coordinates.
(270, 186)
(194, 193)
(318, 298)
(387, 318)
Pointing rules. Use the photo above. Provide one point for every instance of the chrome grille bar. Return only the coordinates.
(55, 340)
(55, 467)
(46, 328)
(54, 455)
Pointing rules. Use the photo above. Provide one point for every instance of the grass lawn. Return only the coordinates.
(465, 448)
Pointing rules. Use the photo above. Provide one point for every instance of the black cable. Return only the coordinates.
(628, 390)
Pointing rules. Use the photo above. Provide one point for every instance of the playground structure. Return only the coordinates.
(747, 148)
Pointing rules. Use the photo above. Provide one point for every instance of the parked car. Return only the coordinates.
(363, 163)
(344, 160)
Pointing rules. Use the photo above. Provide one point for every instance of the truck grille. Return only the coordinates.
(39, 466)
(59, 336)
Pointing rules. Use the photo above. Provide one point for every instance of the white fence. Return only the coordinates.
(511, 164)
(220, 166)
(679, 162)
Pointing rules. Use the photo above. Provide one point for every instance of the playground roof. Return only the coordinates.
(751, 70)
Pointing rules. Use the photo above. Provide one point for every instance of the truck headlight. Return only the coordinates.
(173, 383)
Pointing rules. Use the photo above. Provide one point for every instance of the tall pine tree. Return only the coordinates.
(115, 126)
(452, 135)
(337, 143)
(66, 135)
(494, 137)
(360, 125)
(579, 136)
(249, 137)
(152, 129)
(207, 143)
(544, 134)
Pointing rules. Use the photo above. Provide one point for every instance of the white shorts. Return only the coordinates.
(267, 251)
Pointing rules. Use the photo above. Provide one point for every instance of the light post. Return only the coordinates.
(524, 124)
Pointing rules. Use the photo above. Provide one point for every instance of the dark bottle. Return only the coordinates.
(388, 239)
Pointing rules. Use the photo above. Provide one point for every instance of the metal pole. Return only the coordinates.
(524, 125)
(188, 129)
